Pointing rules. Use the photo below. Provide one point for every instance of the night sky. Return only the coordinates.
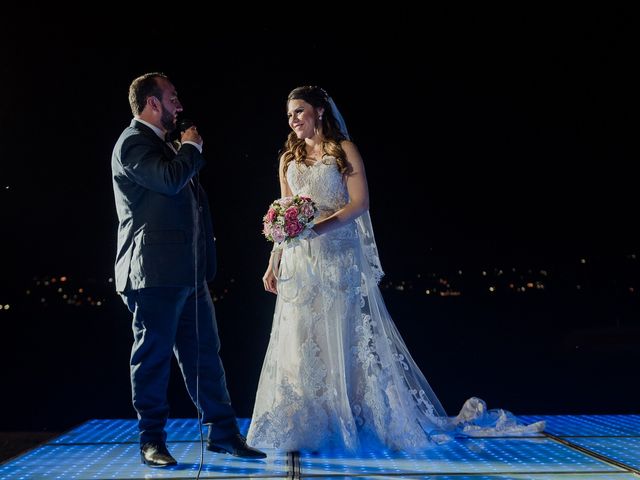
(488, 137)
(484, 138)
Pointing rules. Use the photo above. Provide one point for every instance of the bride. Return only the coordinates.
(337, 373)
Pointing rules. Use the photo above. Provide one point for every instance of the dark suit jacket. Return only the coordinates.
(164, 217)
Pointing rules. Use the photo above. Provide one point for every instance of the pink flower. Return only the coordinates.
(291, 214)
(271, 215)
(278, 233)
(307, 210)
(285, 202)
(293, 228)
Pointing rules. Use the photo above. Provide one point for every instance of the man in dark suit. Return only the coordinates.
(165, 257)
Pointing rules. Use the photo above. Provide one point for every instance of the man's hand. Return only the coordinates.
(191, 135)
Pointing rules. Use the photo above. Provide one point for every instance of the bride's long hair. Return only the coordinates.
(294, 147)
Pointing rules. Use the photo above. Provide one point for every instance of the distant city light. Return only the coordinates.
(49, 292)
(450, 293)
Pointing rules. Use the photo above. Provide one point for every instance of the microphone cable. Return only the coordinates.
(196, 177)
(183, 125)
(195, 180)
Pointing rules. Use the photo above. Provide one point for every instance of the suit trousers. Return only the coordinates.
(165, 320)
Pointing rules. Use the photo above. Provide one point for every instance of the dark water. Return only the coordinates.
(532, 354)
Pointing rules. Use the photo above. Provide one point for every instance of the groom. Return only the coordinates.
(165, 257)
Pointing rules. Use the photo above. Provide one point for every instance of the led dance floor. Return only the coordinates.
(589, 447)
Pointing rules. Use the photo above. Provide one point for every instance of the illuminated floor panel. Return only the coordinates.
(465, 456)
(625, 450)
(117, 461)
(510, 476)
(579, 447)
(589, 425)
(126, 431)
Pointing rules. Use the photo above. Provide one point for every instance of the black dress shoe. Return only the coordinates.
(155, 454)
(236, 445)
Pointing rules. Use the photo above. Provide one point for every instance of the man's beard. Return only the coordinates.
(167, 121)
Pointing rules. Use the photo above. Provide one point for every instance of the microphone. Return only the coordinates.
(182, 125)
(185, 124)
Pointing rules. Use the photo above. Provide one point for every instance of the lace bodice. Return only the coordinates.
(322, 181)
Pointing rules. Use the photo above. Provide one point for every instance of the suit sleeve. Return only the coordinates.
(146, 163)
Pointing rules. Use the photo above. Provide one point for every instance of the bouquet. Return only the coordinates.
(288, 217)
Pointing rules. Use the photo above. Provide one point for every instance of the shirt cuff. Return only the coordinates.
(197, 145)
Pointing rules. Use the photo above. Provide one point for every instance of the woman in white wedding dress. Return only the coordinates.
(337, 373)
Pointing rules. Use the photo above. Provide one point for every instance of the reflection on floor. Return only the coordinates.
(589, 447)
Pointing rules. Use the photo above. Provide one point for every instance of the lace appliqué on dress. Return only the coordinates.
(337, 372)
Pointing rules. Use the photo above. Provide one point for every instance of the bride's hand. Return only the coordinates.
(307, 234)
(270, 281)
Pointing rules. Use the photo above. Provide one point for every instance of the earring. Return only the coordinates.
(319, 117)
